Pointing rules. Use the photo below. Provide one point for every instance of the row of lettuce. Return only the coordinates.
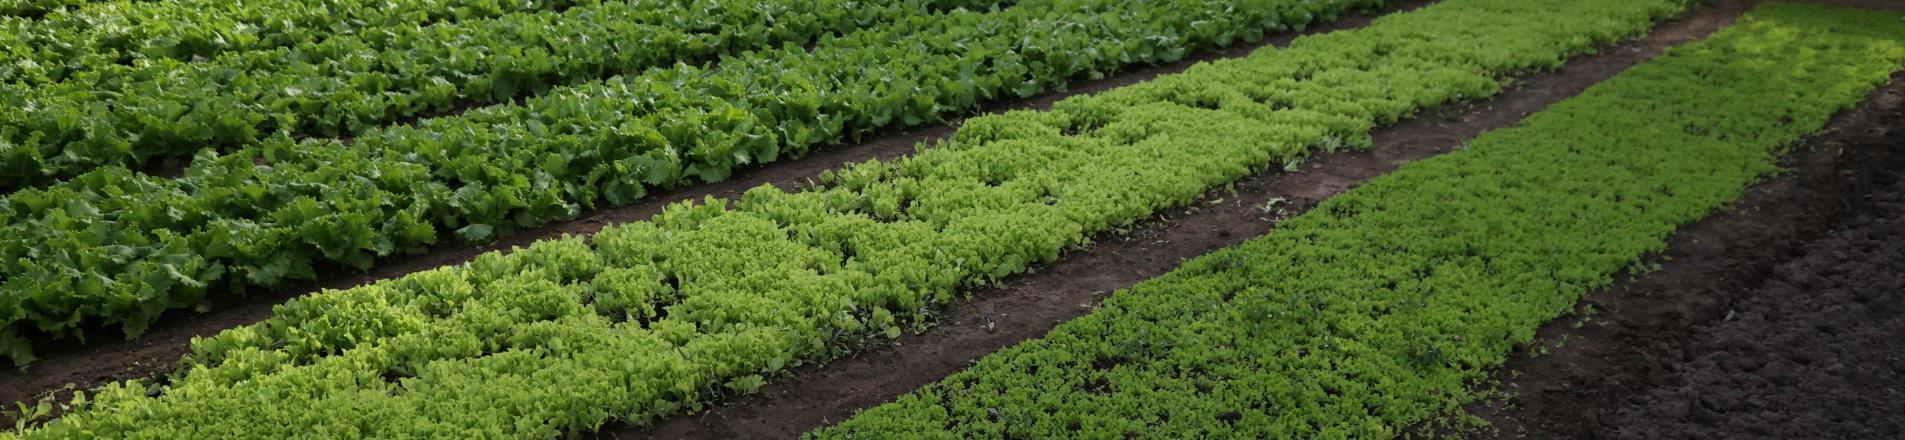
(72, 41)
(1381, 308)
(127, 114)
(118, 248)
(708, 299)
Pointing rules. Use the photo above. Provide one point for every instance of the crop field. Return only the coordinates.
(897, 219)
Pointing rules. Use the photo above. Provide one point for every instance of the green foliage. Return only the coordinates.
(265, 214)
(36, 8)
(112, 34)
(708, 299)
(1378, 309)
(73, 110)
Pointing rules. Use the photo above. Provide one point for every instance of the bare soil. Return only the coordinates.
(1028, 306)
(1782, 318)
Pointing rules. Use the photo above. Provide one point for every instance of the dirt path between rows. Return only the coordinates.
(1781, 318)
(107, 359)
(1028, 306)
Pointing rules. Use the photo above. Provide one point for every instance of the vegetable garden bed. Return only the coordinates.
(1384, 310)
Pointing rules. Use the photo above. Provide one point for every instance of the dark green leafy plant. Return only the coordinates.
(71, 41)
(74, 110)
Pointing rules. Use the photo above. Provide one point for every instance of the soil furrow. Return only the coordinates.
(1030, 305)
(1779, 318)
(63, 368)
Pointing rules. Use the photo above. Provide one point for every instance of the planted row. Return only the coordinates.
(1379, 309)
(169, 109)
(129, 32)
(657, 317)
(118, 248)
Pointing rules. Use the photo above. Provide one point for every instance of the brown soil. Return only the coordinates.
(1782, 318)
(64, 367)
(1028, 306)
